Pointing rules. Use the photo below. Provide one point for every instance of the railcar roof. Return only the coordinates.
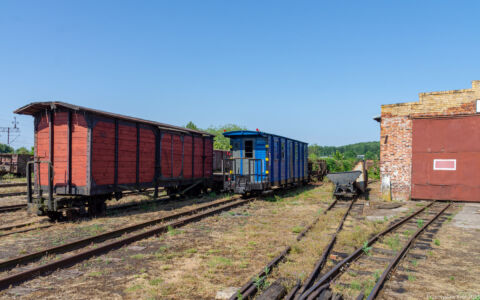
(35, 107)
(255, 133)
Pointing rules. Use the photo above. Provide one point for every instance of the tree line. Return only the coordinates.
(8, 149)
(371, 150)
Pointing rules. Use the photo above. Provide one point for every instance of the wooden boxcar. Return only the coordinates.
(14, 163)
(94, 154)
(261, 161)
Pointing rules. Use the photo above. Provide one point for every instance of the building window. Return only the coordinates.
(248, 149)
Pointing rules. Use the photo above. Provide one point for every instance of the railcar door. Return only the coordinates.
(260, 155)
(248, 155)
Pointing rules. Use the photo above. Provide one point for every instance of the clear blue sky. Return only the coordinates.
(317, 71)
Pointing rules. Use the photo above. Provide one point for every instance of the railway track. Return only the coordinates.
(366, 270)
(12, 184)
(9, 208)
(250, 288)
(99, 245)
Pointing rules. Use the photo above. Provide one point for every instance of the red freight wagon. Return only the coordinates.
(87, 156)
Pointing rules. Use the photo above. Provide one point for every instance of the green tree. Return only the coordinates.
(221, 142)
(6, 149)
(191, 125)
(23, 150)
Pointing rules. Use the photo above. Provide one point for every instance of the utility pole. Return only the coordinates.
(11, 130)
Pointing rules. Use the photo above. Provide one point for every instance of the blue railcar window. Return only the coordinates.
(248, 149)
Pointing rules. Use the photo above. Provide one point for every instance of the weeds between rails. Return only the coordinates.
(346, 283)
(249, 289)
(198, 213)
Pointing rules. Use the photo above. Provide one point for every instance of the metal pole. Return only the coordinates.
(29, 182)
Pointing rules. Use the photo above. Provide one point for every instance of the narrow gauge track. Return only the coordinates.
(12, 184)
(111, 210)
(15, 207)
(185, 218)
(250, 288)
(362, 256)
(3, 195)
(299, 289)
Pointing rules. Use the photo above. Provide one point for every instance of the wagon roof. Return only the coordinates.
(35, 107)
(255, 133)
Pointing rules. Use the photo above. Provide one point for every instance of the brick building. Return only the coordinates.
(430, 149)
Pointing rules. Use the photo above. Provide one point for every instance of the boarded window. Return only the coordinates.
(248, 149)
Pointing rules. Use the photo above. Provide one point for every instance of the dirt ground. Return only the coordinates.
(222, 252)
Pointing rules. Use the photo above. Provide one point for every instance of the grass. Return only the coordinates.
(191, 250)
(173, 231)
(420, 223)
(95, 274)
(297, 229)
(393, 242)
(436, 242)
(138, 256)
(411, 278)
(219, 261)
(155, 281)
(414, 262)
(133, 288)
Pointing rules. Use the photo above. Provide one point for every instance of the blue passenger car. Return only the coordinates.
(261, 161)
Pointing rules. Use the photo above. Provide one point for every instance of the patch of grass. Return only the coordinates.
(297, 229)
(420, 223)
(355, 285)
(411, 278)
(407, 233)
(191, 250)
(414, 262)
(436, 242)
(95, 274)
(452, 278)
(138, 256)
(219, 261)
(376, 275)
(393, 242)
(173, 231)
(213, 251)
(156, 281)
(133, 288)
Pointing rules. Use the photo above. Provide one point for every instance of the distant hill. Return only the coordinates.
(371, 150)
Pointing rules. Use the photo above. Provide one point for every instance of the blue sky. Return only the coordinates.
(317, 71)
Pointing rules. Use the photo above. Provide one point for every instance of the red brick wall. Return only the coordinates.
(396, 131)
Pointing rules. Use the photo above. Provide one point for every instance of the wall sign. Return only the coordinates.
(445, 164)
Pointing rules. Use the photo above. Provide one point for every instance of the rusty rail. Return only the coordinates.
(249, 289)
(381, 281)
(321, 262)
(14, 207)
(13, 184)
(325, 279)
(71, 260)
